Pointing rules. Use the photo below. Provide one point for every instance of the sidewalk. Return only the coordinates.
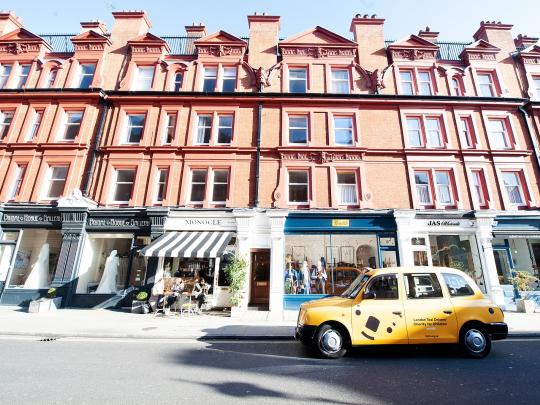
(101, 323)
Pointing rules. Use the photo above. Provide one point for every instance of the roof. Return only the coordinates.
(447, 50)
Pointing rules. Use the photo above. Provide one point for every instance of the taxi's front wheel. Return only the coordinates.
(475, 341)
(331, 342)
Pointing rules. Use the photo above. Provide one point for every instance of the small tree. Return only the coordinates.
(525, 281)
(235, 271)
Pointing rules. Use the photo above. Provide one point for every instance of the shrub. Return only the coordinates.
(235, 271)
(524, 281)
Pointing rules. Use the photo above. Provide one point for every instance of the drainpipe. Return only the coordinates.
(532, 136)
(95, 148)
(258, 157)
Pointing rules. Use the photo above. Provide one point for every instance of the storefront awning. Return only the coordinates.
(188, 244)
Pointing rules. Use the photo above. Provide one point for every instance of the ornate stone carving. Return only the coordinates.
(318, 51)
(90, 47)
(262, 77)
(18, 48)
(377, 80)
(531, 60)
(76, 199)
(321, 157)
(412, 54)
(146, 49)
(219, 50)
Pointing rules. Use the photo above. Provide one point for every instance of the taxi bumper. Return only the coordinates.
(497, 330)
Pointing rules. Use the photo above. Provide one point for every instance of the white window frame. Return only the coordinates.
(50, 170)
(491, 85)
(83, 75)
(22, 78)
(219, 125)
(3, 76)
(506, 132)
(336, 81)
(205, 183)
(169, 116)
(449, 174)
(177, 84)
(129, 127)
(230, 78)
(20, 172)
(198, 127)
(5, 127)
(419, 186)
(535, 80)
(66, 124)
(429, 82)
(206, 76)
(214, 182)
(143, 82)
(340, 186)
(352, 129)
(33, 129)
(305, 80)
(467, 130)
(115, 185)
(479, 191)
(161, 184)
(519, 175)
(403, 82)
(51, 78)
(290, 126)
(424, 138)
(307, 184)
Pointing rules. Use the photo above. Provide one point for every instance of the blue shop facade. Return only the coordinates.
(324, 251)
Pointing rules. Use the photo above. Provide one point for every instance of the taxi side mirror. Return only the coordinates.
(369, 295)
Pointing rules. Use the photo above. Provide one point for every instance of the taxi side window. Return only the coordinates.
(384, 287)
(457, 285)
(423, 285)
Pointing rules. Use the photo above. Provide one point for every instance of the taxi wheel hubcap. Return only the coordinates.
(331, 341)
(475, 340)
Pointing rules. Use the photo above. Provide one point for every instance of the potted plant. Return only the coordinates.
(45, 304)
(235, 270)
(525, 282)
(140, 305)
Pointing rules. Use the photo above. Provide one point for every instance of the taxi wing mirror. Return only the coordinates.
(369, 295)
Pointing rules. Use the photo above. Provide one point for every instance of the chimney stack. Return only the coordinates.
(429, 35)
(263, 39)
(497, 34)
(369, 35)
(196, 30)
(128, 25)
(524, 41)
(9, 22)
(96, 26)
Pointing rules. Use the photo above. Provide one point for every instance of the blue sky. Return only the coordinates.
(455, 19)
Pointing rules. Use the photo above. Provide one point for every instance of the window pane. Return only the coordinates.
(198, 176)
(442, 179)
(178, 77)
(346, 178)
(346, 183)
(197, 192)
(512, 183)
(413, 129)
(298, 177)
(125, 176)
(422, 286)
(498, 135)
(219, 193)
(221, 176)
(298, 129)
(86, 75)
(433, 132)
(144, 78)
(457, 285)
(229, 79)
(340, 81)
(5, 71)
(225, 129)
(297, 80)
(384, 287)
(210, 77)
(204, 129)
(343, 130)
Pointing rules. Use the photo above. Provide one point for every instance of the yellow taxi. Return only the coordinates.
(400, 305)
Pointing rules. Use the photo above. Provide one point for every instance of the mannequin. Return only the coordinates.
(107, 285)
(39, 274)
(305, 277)
(321, 276)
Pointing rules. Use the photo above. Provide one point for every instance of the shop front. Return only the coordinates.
(516, 249)
(325, 251)
(110, 265)
(196, 245)
(30, 244)
(460, 240)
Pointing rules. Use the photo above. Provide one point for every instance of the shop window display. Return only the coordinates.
(328, 263)
(105, 264)
(36, 258)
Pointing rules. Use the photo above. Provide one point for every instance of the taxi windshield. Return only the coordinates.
(356, 286)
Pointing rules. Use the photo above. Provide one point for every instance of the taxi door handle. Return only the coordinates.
(397, 313)
(448, 312)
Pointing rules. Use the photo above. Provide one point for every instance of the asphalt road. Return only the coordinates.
(190, 372)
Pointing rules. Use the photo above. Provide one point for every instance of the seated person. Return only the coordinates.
(200, 292)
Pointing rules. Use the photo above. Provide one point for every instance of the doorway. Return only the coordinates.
(504, 268)
(6, 260)
(260, 276)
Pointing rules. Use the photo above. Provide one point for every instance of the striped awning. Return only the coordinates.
(188, 244)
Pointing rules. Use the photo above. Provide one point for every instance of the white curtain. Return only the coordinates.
(347, 194)
(444, 193)
(514, 194)
(423, 193)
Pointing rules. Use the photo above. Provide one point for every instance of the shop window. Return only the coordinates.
(536, 86)
(178, 79)
(479, 188)
(198, 185)
(499, 133)
(422, 286)
(343, 131)
(298, 129)
(229, 79)
(456, 252)
(144, 77)
(486, 84)
(6, 118)
(327, 263)
(384, 287)
(220, 185)
(18, 178)
(457, 285)
(123, 185)
(513, 184)
(467, 132)
(135, 128)
(425, 131)
(5, 71)
(51, 78)
(105, 265)
(210, 79)
(86, 75)
(457, 86)
(420, 251)
(37, 117)
(423, 189)
(298, 186)
(161, 189)
(347, 188)
(225, 128)
(170, 128)
(298, 80)
(22, 76)
(72, 125)
(36, 258)
(56, 182)
(204, 129)
(340, 81)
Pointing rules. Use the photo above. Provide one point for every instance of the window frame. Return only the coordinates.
(35, 125)
(168, 129)
(535, 81)
(115, 183)
(495, 88)
(16, 186)
(469, 138)
(295, 115)
(205, 77)
(333, 80)
(460, 86)
(4, 78)
(433, 277)
(6, 128)
(66, 124)
(522, 184)
(307, 184)
(423, 129)
(50, 169)
(177, 84)
(214, 170)
(372, 280)
(480, 175)
(353, 129)
(191, 183)
(127, 127)
(415, 82)
(50, 84)
(433, 187)
(162, 186)
(214, 127)
(355, 172)
(508, 132)
(289, 79)
(234, 80)
(82, 76)
(137, 83)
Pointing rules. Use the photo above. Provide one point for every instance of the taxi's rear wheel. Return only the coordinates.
(475, 341)
(331, 342)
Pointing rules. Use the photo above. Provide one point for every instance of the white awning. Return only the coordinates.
(188, 244)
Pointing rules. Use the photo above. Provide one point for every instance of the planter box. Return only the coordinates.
(526, 306)
(45, 305)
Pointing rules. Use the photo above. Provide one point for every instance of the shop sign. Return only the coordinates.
(340, 222)
(435, 223)
(118, 223)
(31, 218)
(200, 223)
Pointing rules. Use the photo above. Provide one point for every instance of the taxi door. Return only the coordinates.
(377, 316)
(429, 313)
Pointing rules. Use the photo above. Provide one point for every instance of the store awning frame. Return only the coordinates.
(204, 244)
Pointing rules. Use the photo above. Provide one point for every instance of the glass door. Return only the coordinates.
(6, 259)
(504, 268)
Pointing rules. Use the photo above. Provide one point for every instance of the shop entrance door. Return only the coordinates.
(260, 276)
(535, 247)
(6, 258)
(504, 268)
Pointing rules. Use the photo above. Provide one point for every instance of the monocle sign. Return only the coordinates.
(201, 223)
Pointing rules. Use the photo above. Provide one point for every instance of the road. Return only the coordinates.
(190, 372)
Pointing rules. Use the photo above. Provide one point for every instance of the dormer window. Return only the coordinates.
(424, 83)
(210, 79)
(22, 77)
(178, 78)
(229, 79)
(5, 71)
(407, 83)
(51, 78)
(340, 81)
(457, 87)
(486, 84)
(298, 80)
(86, 75)
(536, 86)
(144, 77)
(419, 81)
